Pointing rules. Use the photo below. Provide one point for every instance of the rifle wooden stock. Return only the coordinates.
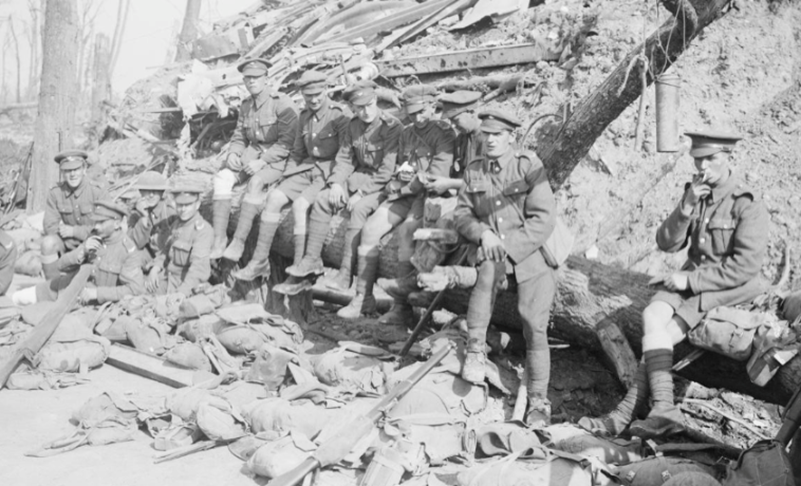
(40, 334)
(791, 419)
(342, 443)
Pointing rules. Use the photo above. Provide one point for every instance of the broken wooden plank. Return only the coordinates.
(617, 350)
(149, 366)
(468, 59)
(404, 34)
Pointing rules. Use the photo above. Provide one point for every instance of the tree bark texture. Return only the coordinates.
(601, 107)
(16, 52)
(58, 96)
(188, 30)
(101, 84)
(589, 294)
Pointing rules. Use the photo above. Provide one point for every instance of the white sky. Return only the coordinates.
(151, 30)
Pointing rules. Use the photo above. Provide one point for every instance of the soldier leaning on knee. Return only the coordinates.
(69, 205)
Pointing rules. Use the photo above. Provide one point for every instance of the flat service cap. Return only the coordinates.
(186, 193)
(417, 97)
(312, 82)
(710, 143)
(494, 121)
(458, 102)
(360, 93)
(151, 181)
(107, 209)
(253, 67)
(70, 159)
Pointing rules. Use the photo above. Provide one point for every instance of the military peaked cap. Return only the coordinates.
(312, 82)
(710, 143)
(458, 102)
(254, 67)
(71, 159)
(494, 121)
(186, 193)
(107, 209)
(417, 97)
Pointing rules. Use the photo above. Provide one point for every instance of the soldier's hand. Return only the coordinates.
(153, 280)
(493, 246)
(336, 196)
(66, 231)
(355, 198)
(677, 282)
(697, 191)
(93, 243)
(143, 206)
(436, 185)
(254, 166)
(234, 162)
(88, 295)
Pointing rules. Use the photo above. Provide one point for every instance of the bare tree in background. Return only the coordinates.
(16, 51)
(89, 10)
(119, 32)
(101, 82)
(189, 30)
(58, 96)
(35, 8)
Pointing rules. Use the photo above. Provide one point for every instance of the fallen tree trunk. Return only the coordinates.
(589, 293)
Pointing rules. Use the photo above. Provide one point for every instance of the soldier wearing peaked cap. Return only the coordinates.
(362, 167)
(508, 210)
(425, 156)
(182, 261)
(258, 151)
(321, 131)
(69, 205)
(460, 108)
(725, 226)
(117, 263)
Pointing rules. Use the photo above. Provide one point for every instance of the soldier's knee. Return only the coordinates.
(50, 245)
(656, 316)
(276, 200)
(486, 274)
(223, 183)
(300, 205)
(255, 185)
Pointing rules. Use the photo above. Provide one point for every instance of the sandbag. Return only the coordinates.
(147, 337)
(241, 393)
(728, 331)
(340, 367)
(271, 366)
(240, 339)
(281, 417)
(103, 407)
(73, 356)
(188, 355)
(458, 397)
(655, 471)
(195, 306)
(202, 327)
(276, 458)
(185, 402)
(218, 419)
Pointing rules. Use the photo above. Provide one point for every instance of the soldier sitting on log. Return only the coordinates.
(117, 262)
(321, 131)
(507, 208)
(69, 206)
(425, 148)
(459, 108)
(183, 260)
(260, 145)
(725, 226)
(363, 165)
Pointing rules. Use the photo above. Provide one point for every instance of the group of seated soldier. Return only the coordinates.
(354, 156)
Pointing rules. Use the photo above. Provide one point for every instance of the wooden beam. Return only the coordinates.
(467, 59)
(149, 366)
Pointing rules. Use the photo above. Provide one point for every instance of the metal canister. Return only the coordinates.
(667, 112)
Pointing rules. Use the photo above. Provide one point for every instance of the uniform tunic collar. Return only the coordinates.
(722, 191)
(496, 166)
(77, 191)
(317, 115)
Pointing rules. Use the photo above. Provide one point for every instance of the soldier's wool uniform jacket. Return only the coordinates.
(367, 157)
(510, 196)
(429, 150)
(320, 134)
(468, 146)
(148, 230)
(73, 207)
(8, 257)
(184, 256)
(117, 270)
(728, 237)
(267, 123)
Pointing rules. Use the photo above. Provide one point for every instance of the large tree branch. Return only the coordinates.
(601, 107)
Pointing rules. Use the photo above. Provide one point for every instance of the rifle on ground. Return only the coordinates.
(343, 442)
(40, 334)
(791, 419)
